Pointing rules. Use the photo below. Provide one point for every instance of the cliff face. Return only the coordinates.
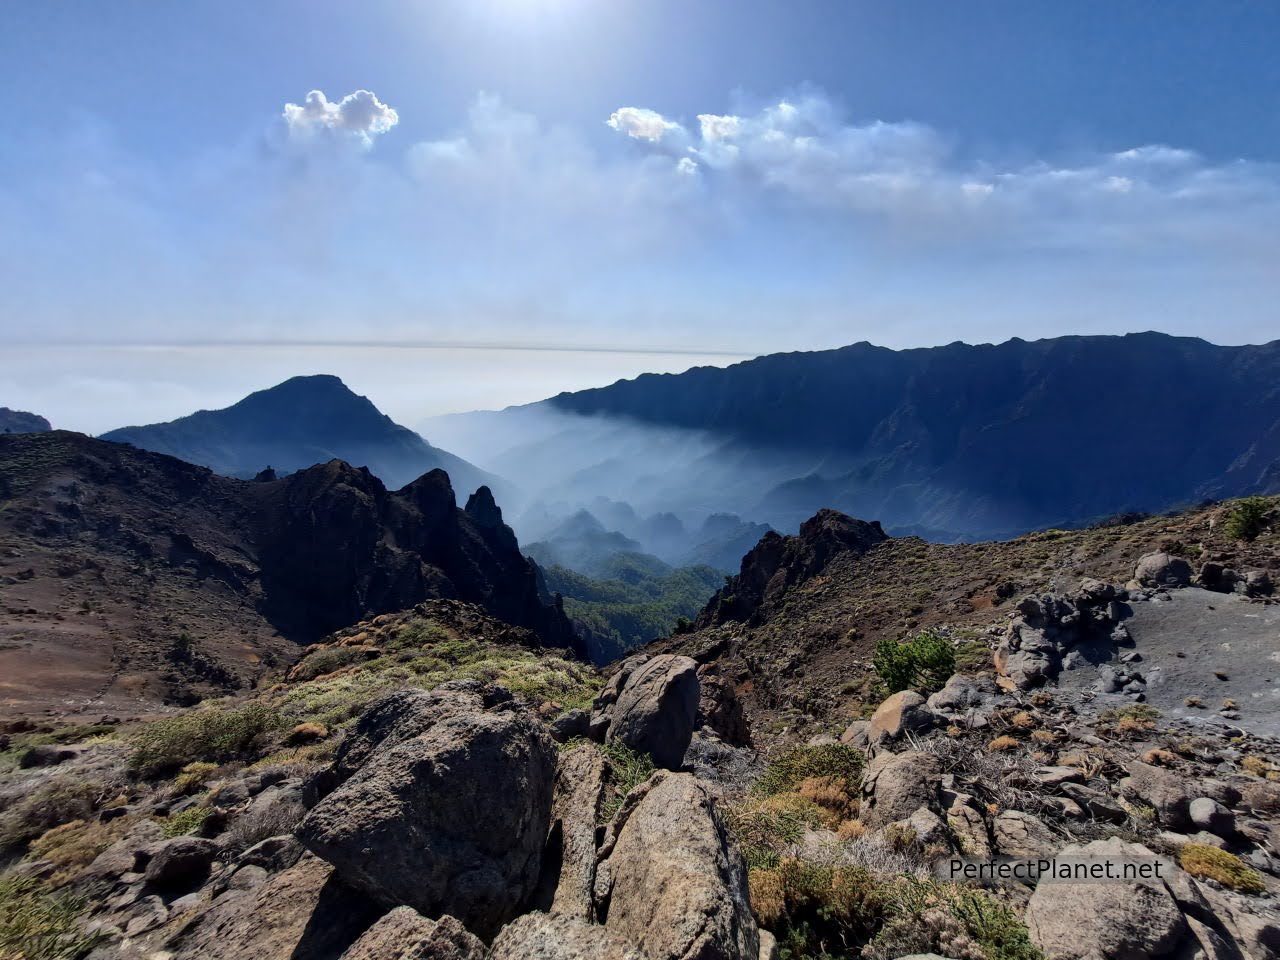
(186, 582)
(778, 563)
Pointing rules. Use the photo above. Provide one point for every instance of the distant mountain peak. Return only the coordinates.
(305, 420)
(19, 421)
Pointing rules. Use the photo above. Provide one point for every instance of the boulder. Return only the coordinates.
(967, 826)
(656, 709)
(720, 709)
(1120, 920)
(961, 694)
(541, 936)
(570, 724)
(669, 881)
(569, 865)
(1167, 792)
(895, 785)
(451, 819)
(180, 862)
(48, 755)
(857, 734)
(1209, 814)
(1257, 583)
(1020, 834)
(405, 934)
(1028, 655)
(300, 912)
(904, 712)
(1162, 569)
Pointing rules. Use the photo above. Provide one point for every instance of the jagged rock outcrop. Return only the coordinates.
(407, 826)
(1046, 628)
(777, 563)
(669, 880)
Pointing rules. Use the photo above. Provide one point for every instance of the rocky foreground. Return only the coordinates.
(435, 784)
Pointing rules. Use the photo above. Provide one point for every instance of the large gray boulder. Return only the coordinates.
(1121, 920)
(180, 862)
(670, 882)
(895, 785)
(300, 912)
(405, 934)
(656, 709)
(570, 860)
(1021, 834)
(1162, 569)
(451, 819)
(542, 936)
(1168, 793)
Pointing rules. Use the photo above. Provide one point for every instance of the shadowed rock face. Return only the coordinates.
(778, 563)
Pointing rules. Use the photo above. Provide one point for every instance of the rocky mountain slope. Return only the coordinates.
(296, 424)
(18, 421)
(950, 442)
(128, 578)
(797, 628)
(335, 815)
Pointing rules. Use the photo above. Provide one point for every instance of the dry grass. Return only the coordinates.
(1201, 860)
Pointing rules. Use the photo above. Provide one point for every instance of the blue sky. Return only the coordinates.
(678, 182)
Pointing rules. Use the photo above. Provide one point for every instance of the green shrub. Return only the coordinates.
(185, 822)
(927, 916)
(327, 661)
(817, 910)
(923, 663)
(627, 770)
(1247, 519)
(788, 770)
(765, 827)
(39, 924)
(209, 735)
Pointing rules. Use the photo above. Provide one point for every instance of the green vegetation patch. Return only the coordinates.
(1202, 860)
(922, 663)
(627, 770)
(834, 760)
(37, 923)
(637, 602)
(1248, 518)
(206, 734)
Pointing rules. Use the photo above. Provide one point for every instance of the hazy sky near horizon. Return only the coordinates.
(200, 199)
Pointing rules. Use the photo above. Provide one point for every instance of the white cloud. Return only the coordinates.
(360, 114)
(715, 127)
(641, 124)
(910, 173)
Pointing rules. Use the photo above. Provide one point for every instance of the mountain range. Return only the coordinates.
(298, 423)
(955, 442)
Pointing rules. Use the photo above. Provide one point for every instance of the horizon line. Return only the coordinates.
(407, 344)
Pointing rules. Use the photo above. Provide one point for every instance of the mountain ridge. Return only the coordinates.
(299, 422)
